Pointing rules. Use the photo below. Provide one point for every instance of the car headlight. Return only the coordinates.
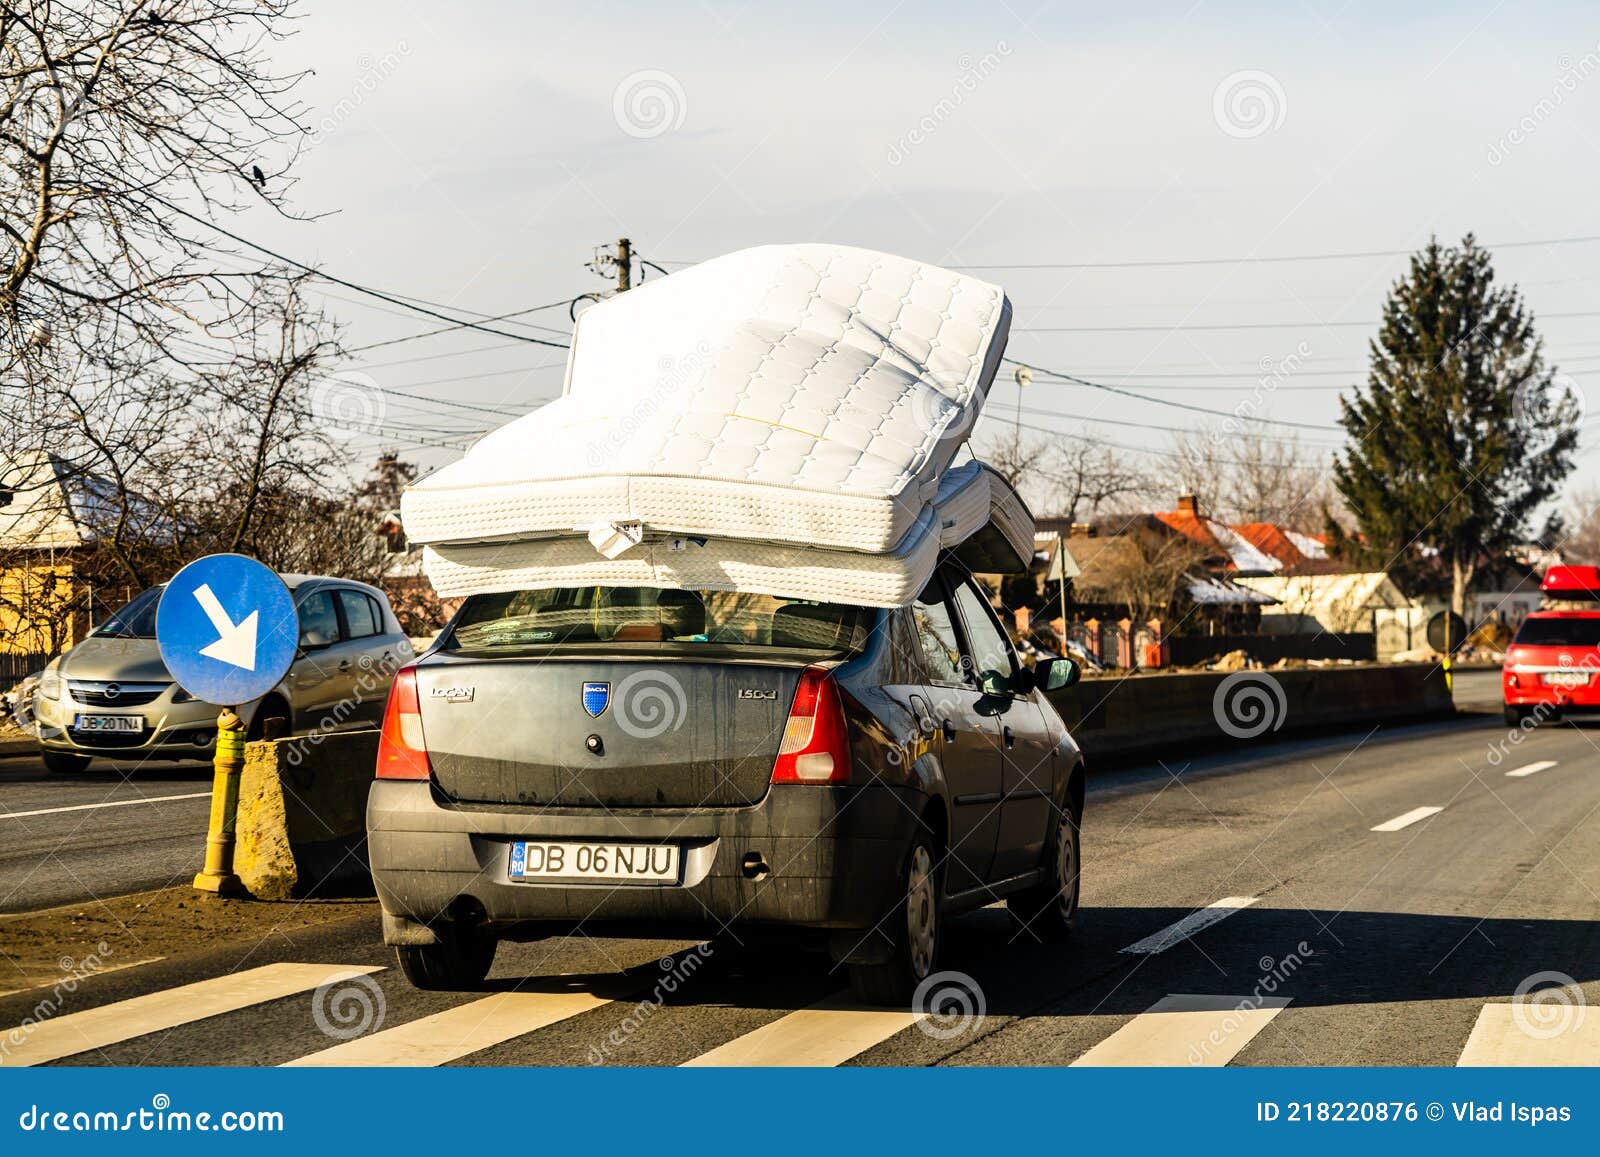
(50, 685)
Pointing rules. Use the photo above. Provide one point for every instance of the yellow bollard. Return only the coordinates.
(217, 876)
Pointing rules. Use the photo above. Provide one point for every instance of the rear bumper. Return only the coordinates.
(832, 856)
(1530, 690)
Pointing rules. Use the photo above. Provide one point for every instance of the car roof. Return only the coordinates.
(295, 581)
(1572, 613)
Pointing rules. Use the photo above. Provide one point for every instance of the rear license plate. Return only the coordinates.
(1566, 678)
(127, 723)
(639, 863)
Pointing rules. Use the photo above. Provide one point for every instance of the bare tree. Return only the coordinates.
(1145, 579)
(124, 125)
(1253, 477)
(1084, 477)
(1579, 540)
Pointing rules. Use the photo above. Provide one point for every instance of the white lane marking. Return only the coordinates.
(822, 1036)
(1189, 925)
(1186, 1030)
(456, 1032)
(1498, 1039)
(78, 1032)
(1531, 769)
(86, 807)
(1405, 821)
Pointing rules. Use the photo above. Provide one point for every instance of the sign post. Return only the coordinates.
(227, 630)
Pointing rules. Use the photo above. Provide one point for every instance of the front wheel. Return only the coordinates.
(915, 926)
(64, 761)
(459, 960)
(1049, 909)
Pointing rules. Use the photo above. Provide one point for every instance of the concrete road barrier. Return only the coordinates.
(302, 816)
(1155, 714)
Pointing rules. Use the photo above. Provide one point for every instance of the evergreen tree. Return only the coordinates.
(1461, 432)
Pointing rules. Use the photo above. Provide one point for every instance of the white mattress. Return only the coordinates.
(796, 393)
(977, 516)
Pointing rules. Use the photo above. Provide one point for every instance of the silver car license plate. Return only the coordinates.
(125, 723)
(600, 862)
(1566, 678)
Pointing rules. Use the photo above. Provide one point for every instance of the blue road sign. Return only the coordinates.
(227, 629)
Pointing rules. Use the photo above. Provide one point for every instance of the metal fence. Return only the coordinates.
(14, 668)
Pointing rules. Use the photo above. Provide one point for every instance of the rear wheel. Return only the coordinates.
(1049, 910)
(64, 761)
(1516, 714)
(915, 926)
(460, 959)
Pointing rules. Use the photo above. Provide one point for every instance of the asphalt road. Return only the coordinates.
(1304, 936)
(112, 829)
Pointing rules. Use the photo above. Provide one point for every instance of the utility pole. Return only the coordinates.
(624, 265)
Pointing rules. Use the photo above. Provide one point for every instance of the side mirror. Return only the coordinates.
(1056, 674)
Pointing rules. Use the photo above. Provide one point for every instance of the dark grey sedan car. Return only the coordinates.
(679, 763)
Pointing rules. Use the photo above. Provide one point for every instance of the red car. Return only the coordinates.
(1554, 661)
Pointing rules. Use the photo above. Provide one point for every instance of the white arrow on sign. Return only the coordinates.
(236, 644)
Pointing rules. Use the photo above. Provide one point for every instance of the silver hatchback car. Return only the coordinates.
(112, 696)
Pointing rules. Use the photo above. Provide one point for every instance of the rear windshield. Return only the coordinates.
(137, 620)
(644, 615)
(1558, 633)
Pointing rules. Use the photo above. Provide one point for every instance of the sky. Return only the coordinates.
(476, 154)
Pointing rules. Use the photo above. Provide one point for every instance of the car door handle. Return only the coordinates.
(344, 664)
(949, 730)
(1010, 739)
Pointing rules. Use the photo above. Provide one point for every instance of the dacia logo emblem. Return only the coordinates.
(595, 698)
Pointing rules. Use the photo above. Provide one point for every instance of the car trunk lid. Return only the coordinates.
(604, 733)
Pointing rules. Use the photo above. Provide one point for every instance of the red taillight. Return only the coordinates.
(402, 752)
(815, 748)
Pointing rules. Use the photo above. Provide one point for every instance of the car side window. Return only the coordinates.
(991, 652)
(359, 618)
(936, 633)
(319, 621)
(378, 615)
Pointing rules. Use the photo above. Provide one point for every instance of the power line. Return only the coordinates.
(367, 290)
(462, 325)
(1253, 260)
(1184, 327)
(1250, 260)
(1085, 382)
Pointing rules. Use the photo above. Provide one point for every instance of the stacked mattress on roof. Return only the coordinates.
(783, 419)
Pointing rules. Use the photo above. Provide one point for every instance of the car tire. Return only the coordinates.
(1515, 715)
(916, 924)
(459, 960)
(64, 761)
(1049, 910)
